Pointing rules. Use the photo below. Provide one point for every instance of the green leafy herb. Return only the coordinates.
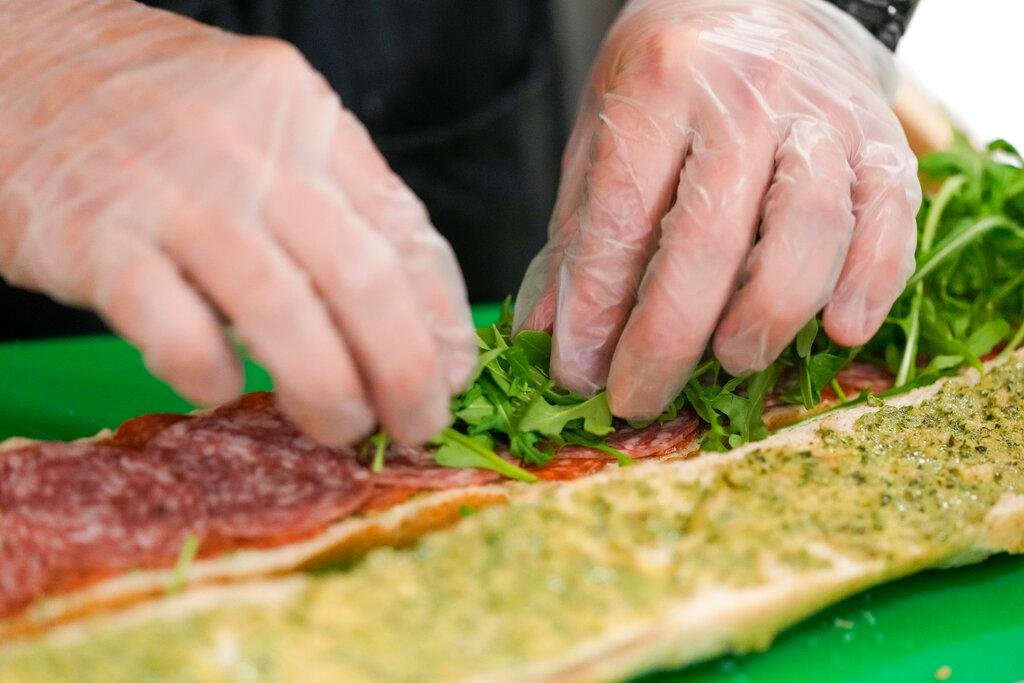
(964, 300)
(967, 293)
(551, 420)
(460, 450)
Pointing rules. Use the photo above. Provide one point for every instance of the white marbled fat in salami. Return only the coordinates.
(655, 439)
(261, 481)
(414, 466)
(72, 511)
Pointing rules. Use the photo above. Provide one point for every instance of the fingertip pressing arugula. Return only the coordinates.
(965, 298)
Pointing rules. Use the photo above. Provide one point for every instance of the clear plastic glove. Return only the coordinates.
(735, 168)
(159, 171)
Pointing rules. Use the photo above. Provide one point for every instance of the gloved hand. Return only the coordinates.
(707, 123)
(159, 170)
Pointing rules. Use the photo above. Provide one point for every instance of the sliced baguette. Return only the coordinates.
(340, 542)
(720, 617)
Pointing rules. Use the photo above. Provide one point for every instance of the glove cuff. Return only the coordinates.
(886, 20)
(873, 54)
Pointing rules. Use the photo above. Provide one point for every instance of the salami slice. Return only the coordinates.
(858, 376)
(656, 439)
(567, 469)
(74, 512)
(853, 379)
(136, 433)
(98, 507)
(414, 467)
(262, 483)
(255, 401)
(386, 497)
(24, 573)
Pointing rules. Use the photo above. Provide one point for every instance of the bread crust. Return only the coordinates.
(708, 623)
(396, 526)
(340, 542)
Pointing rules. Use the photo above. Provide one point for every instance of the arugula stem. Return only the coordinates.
(1006, 289)
(380, 444)
(496, 462)
(935, 211)
(1015, 341)
(908, 363)
(624, 460)
(705, 367)
(840, 394)
(957, 242)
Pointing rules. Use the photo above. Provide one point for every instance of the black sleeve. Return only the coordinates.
(885, 19)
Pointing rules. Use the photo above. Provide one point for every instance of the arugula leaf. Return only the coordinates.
(966, 295)
(985, 338)
(459, 450)
(805, 338)
(575, 437)
(535, 345)
(750, 423)
(963, 301)
(815, 373)
(486, 360)
(544, 418)
(473, 408)
(1001, 145)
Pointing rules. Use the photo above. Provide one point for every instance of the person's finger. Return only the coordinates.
(805, 233)
(427, 260)
(535, 300)
(704, 243)
(143, 297)
(886, 197)
(279, 318)
(361, 279)
(627, 188)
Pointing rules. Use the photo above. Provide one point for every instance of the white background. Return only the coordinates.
(970, 55)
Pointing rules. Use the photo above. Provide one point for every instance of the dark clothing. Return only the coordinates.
(461, 96)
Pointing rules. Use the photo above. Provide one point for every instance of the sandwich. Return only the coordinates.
(611, 575)
(229, 520)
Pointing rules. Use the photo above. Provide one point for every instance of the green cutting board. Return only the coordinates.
(970, 619)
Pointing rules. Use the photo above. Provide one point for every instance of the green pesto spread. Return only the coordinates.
(548, 573)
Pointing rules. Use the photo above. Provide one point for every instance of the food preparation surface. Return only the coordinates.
(965, 624)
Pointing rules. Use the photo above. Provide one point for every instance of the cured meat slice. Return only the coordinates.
(268, 427)
(74, 512)
(262, 483)
(24, 574)
(414, 467)
(96, 506)
(858, 376)
(567, 469)
(385, 497)
(655, 439)
(853, 379)
(136, 433)
(255, 401)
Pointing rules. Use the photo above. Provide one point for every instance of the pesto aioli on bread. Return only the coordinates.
(617, 574)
